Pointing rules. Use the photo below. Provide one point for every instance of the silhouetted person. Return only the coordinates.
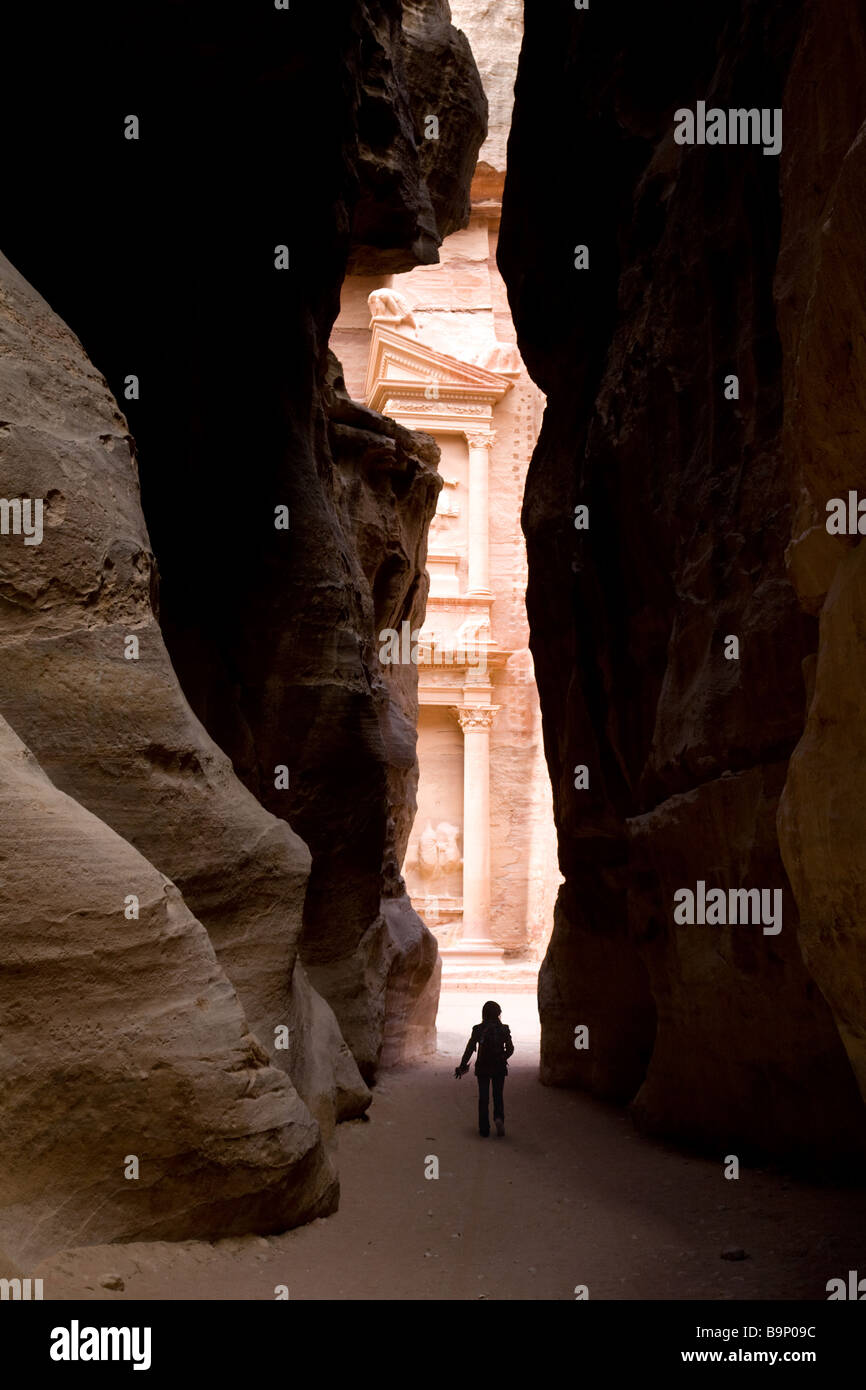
(493, 1040)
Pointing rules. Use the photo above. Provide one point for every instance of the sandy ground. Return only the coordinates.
(572, 1195)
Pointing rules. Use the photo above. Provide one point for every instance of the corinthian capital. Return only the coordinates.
(476, 716)
(481, 439)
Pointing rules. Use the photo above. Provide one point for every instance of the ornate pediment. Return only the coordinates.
(405, 376)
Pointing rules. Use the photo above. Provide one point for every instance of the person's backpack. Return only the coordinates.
(491, 1047)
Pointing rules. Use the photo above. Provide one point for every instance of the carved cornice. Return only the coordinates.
(458, 603)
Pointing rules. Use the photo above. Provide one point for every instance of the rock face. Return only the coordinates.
(494, 29)
(87, 680)
(268, 630)
(123, 1039)
(821, 293)
(385, 490)
(414, 176)
(703, 262)
(211, 720)
(449, 108)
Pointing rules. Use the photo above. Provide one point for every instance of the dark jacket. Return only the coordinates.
(504, 1048)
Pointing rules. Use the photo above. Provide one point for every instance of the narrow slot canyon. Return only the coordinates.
(573, 1196)
(433, 603)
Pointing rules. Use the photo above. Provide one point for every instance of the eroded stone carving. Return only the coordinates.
(391, 307)
(438, 852)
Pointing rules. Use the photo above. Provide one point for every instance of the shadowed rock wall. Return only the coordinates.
(256, 645)
(821, 297)
(703, 262)
(269, 630)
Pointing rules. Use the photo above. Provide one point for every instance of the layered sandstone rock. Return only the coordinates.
(269, 630)
(494, 29)
(123, 1039)
(449, 107)
(414, 174)
(272, 631)
(692, 499)
(385, 983)
(87, 681)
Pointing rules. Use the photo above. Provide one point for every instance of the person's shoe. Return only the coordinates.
(485, 1133)
(500, 1128)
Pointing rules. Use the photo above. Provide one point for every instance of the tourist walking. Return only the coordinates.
(493, 1040)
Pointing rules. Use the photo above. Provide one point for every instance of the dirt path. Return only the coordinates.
(572, 1195)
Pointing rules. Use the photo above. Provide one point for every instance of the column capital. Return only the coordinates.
(475, 716)
(480, 438)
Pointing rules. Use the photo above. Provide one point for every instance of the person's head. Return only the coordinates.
(491, 1011)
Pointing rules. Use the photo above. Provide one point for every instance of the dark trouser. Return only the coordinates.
(483, 1097)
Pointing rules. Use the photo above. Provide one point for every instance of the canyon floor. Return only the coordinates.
(571, 1195)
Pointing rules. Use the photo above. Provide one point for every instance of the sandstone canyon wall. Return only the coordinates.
(706, 520)
(262, 909)
(494, 29)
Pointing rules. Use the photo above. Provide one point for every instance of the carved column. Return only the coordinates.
(480, 443)
(476, 722)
